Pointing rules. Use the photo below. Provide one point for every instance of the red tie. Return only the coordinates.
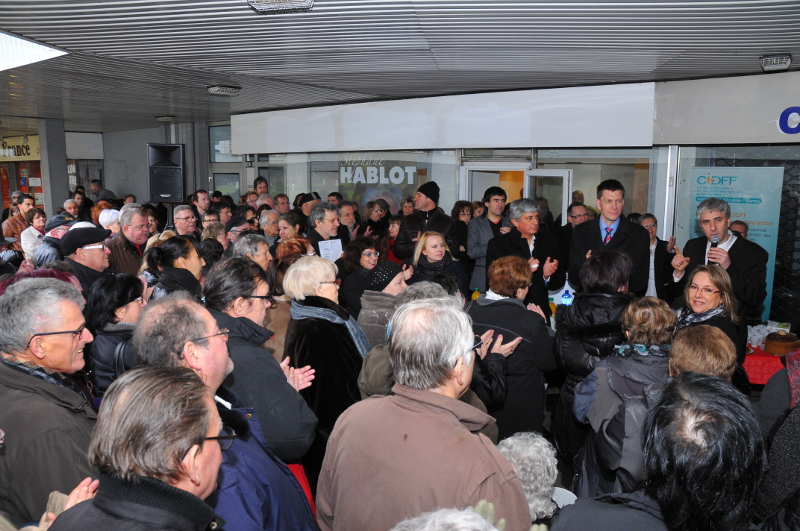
(608, 236)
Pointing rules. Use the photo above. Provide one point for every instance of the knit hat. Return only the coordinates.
(382, 274)
(430, 190)
(77, 238)
(311, 196)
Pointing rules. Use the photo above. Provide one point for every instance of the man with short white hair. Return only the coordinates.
(47, 420)
(72, 207)
(417, 450)
(269, 223)
(127, 248)
(185, 221)
(265, 199)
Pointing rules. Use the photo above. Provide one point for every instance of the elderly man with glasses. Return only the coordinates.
(128, 247)
(185, 221)
(86, 251)
(256, 491)
(48, 422)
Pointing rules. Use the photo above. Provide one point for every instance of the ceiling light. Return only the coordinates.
(165, 118)
(20, 52)
(223, 90)
(776, 63)
(266, 7)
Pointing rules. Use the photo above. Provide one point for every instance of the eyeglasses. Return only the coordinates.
(222, 332)
(376, 254)
(270, 223)
(267, 298)
(95, 246)
(704, 291)
(225, 441)
(330, 220)
(140, 227)
(579, 216)
(140, 300)
(76, 333)
(186, 219)
(338, 282)
(211, 220)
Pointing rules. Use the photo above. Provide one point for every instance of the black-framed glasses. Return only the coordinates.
(266, 297)
(225, 441)
(192, 218)
(77, 333)
(222, 332)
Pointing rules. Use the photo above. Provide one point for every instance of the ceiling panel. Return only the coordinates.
(136, 59)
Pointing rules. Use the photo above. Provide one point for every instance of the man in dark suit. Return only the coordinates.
(576, 214)
(539, 249)
(611, 231)
(745, 261)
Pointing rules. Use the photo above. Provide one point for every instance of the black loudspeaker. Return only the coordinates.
(165, 165)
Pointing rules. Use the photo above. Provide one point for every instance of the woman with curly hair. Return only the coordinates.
(359, 257)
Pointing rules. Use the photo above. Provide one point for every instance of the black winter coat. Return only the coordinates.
(174, 279)
(422, 222)
(48, 251)
(586, 332)
(523, 409)
(286, 420)
(103, 355)
(353, 287)
(332, 353)
(545, 246)
(144, 505)
(611, 512)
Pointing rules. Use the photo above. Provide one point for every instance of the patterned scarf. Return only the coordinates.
(688, 317)
(300, 311)
(628, 349)
(55, 378)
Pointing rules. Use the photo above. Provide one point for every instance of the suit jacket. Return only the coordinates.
(545, 246)
(662, 270)
(630, 238)
(479, 232)
(748, 272)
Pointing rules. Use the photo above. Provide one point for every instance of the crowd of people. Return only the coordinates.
(207, 368)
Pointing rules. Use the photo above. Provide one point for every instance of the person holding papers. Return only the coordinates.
(323, 223)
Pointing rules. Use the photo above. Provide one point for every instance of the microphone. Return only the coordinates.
(714, 243)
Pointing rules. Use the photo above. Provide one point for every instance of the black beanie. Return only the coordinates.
(431, 190)
(382, 274)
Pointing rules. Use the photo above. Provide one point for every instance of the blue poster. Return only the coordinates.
(754, 195)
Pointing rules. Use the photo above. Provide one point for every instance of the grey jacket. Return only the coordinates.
(479, 232)
(376, 308)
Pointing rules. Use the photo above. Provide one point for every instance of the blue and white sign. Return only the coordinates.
(754, 195)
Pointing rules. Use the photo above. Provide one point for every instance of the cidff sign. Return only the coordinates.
(792, 113)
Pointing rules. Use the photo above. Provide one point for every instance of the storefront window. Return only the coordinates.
(219, 137)
(762, 186)
(589, 167)
(366, 176)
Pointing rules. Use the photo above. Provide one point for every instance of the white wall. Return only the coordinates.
(84, 145)
(126, 161)
(611, 115)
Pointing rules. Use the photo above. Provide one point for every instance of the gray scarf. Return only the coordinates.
(688, 317)
(300, 311)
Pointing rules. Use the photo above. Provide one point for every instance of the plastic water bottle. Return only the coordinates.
(566, 298)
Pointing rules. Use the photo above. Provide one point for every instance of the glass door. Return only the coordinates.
(556, 187)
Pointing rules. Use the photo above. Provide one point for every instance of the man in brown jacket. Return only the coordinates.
(14, 225)
(127, 248)
(389, 458)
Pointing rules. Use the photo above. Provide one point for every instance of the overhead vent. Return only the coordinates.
(224, 90)
(776, 63)
(269, 7)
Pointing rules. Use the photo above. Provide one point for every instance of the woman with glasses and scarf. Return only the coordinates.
(710, 301)
(237, 295)
(112, 311)
(323, 335)
(359, 258)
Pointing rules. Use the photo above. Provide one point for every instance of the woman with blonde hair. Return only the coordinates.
(323, 335)
(434, 262)
(615, 397)
(374, 221)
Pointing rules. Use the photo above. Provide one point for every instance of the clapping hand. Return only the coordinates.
(550, 267)
(297, 378)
